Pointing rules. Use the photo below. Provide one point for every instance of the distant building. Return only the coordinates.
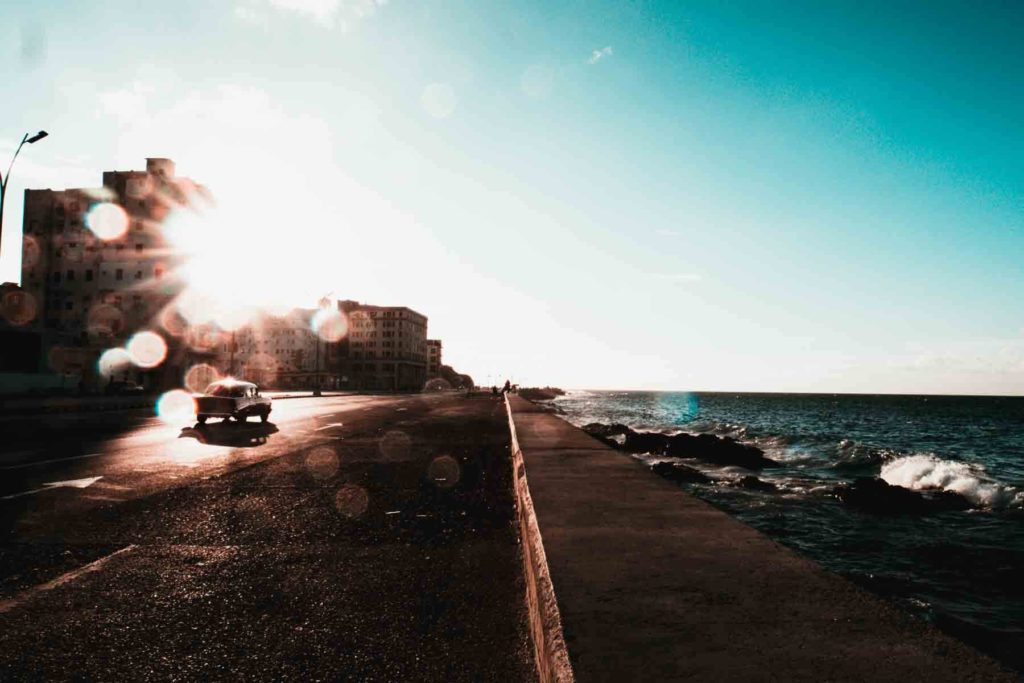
(385, 349)
(95, 264)
(433, 358)
(275, 351)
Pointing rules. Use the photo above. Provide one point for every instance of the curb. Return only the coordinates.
(550, 654)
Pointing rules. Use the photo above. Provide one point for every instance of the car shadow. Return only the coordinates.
(233, 434)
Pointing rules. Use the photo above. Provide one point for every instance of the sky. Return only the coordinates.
(731, 196)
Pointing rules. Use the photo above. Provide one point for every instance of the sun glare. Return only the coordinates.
(108, 221)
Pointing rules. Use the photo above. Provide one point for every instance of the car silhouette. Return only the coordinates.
(232, 398)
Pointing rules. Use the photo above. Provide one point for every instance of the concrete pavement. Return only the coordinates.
(356, 537)
(654, 584)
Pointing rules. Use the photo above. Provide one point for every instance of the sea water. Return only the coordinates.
(964, 570)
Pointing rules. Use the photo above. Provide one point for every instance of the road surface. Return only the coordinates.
(351, 537)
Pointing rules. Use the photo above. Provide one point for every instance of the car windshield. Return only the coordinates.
(233, 390)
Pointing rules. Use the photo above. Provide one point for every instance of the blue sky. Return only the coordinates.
(741, 196)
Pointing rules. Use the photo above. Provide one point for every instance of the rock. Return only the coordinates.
(718, 450)
(706, 447)
(598, 429)
(679, 473)
(875, 495)
(755, 484)
(645, 442)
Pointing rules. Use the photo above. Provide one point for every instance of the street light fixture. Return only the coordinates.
(5, 179)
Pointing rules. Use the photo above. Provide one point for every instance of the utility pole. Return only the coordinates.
(7, 178)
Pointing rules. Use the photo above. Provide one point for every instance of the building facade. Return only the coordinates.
(385, 348)
(433, 358)
(276, 352)
(95, 264)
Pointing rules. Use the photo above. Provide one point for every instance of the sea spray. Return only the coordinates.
(924, 472)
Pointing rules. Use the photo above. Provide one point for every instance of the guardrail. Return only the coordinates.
(550, 654)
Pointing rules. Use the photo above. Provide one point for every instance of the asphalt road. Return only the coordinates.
(351, 537)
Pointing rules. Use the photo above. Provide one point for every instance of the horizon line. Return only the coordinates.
(799, 393)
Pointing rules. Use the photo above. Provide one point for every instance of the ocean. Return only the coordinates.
(962, 570)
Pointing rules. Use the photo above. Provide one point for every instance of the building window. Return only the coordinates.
(56, 276)
(69, 305)
(138, 248)
(71, 275)
(119, 273)
(88, 274)
(138, 274)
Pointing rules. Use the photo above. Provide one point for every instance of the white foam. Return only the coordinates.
(927, 472)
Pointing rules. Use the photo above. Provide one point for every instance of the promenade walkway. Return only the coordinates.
(654, 584)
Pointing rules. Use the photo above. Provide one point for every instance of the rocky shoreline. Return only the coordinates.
(868, 494)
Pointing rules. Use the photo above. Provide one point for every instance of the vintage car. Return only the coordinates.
(232, 398)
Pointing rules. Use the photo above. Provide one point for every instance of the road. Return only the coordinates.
(351, 537)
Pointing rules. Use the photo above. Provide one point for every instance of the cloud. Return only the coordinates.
(326, 13)
(597, 55)
(666, 232)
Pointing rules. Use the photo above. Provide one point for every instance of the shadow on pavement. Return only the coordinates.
(230, 434)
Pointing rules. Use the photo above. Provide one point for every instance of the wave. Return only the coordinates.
(924, 472)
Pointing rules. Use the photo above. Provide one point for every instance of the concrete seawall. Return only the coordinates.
(650, 583)
(550, 655)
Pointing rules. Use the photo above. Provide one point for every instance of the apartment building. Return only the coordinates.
(385, 349)
(96, 264)
(275, 351)
(433, 358)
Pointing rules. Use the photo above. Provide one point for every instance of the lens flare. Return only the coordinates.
(113, 361)
(175, 406)
(437, 384)
(173, 322)
(352, 500)
(395, 445)
(200, 376)
(18, 308)
(148, 349)
(107, 221)
(105, 320)
(30, 252)
(322, 462)
(329, 324)
(444, 471)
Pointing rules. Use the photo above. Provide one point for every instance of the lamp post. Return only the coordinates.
(5, 179)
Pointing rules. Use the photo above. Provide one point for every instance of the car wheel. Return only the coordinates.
(201, 419)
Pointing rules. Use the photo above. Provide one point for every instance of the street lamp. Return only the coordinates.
(5, 179)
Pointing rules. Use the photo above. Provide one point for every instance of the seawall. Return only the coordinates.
(631, 578)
